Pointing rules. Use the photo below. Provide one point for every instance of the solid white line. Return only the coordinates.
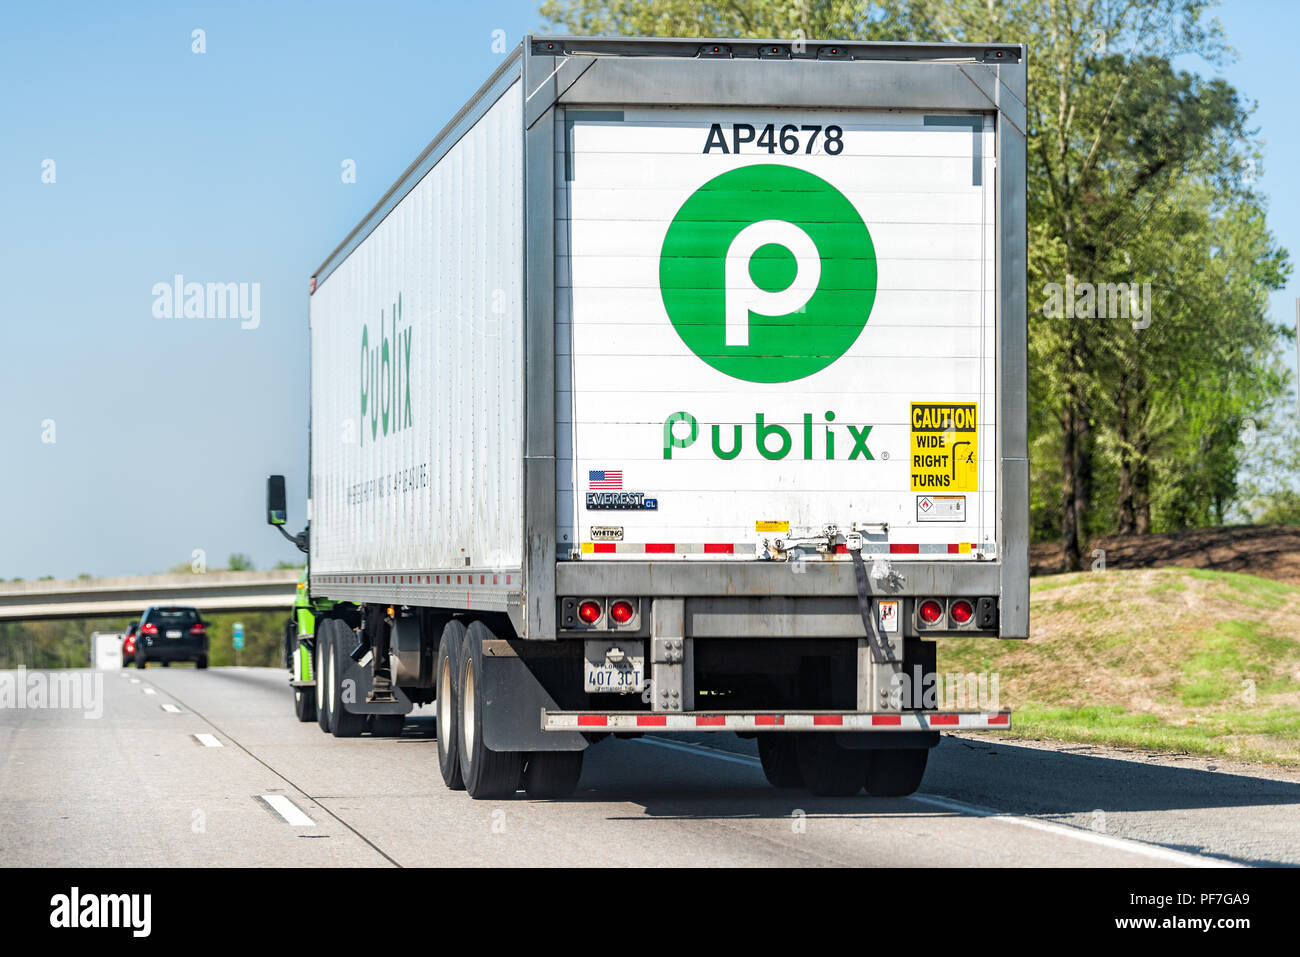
(171, 709)
(703, 749)
(291, 813)
(149, 691)
(1090, 837)
(208, 740)
(1062, 830)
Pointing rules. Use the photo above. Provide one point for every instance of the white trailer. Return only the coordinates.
(106, 650)
(679, 385)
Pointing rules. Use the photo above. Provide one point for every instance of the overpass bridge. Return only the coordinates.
(111, 597)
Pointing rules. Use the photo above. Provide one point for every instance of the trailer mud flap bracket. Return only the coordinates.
(362, 679)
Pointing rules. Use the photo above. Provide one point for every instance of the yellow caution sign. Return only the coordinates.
(944, 449)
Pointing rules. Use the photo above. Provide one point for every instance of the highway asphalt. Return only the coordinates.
(210, 768)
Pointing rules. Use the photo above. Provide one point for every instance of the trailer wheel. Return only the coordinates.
(779, 754)
(387, 725)
(321, 669)
(304, 704)
(343, 723)
(552, 774)
(895, 773)
(447, 669)
(829, 770)
(487, 773)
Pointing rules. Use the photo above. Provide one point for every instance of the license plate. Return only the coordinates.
(173, 633)
(627, 677)
(614, 666)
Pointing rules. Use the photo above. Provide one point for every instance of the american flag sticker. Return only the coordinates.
(605, 479)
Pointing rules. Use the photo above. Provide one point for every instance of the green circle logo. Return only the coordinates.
(768, 273)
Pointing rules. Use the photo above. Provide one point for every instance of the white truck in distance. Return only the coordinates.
(678, 385)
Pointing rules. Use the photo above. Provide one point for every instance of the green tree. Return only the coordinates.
(239, 562)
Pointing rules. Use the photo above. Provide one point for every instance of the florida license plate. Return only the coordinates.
(616, 667)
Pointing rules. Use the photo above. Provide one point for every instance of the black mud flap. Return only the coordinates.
(513, 701)
(362, 678)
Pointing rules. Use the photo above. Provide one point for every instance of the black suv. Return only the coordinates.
(170, 633)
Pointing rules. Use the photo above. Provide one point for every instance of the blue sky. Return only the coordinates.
(225, 167)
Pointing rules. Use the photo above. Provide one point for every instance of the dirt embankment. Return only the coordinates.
(1270, 551)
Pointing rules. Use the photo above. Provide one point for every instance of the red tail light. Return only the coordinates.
(149, 629)
(589, 612)
(961, 611)
(621, 612)
(199, 629)
(128, 646)
(930, 611)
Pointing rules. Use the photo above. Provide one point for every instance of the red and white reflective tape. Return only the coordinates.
(499, 579)
(786, 721)
(658, 548)
(746, 549)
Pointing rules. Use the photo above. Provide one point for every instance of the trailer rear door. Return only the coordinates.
(771, 322)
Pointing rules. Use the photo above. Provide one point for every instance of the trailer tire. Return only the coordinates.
(321, 668)
(446, 670)
(552, 774)
(343, 723)
(487, 773)
(387, 725)
(304, 704)
(829, 770)
(779, 754)
(895, 772)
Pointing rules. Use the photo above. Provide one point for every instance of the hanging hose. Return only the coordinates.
(881, 651)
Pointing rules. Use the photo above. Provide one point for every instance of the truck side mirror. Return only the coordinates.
(276, 511)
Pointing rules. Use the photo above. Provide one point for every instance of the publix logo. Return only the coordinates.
(386, 375)
(768, 273)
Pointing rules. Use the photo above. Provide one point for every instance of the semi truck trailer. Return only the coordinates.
(676, 386)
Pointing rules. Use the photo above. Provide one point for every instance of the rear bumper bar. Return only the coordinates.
(770, 721)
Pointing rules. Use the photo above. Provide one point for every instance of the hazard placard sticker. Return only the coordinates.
(941, 508)
(944, 450)
(888, 615)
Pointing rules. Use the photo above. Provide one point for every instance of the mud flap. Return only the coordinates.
(513, 702)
